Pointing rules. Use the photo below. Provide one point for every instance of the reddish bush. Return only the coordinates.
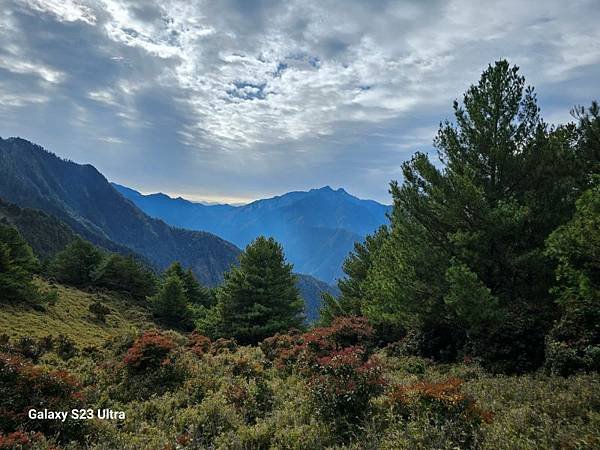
(336, 361)
(223, 344)
(282, 349)
(184, 439)
(343, 383)
(199, 344)
(25, 386)
(18, 440)
(150, 351)
(444, 399)
(343, 332)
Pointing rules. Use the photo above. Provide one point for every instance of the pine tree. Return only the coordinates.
(196, 293)
(125, 274)
(465, 250)
(76, 263)
(169, 304)
(16, 265)
(574, 341)
(352, 286)
(259, 298)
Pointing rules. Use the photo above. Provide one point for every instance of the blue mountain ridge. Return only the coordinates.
(317, 228)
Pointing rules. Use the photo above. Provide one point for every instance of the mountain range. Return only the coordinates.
(83, 199)
(317, 228)
(50, 200)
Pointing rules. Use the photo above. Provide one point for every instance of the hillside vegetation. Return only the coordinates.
(81, 197)
(70, 316)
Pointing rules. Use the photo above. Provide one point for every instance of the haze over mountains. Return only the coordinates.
(49, 200)
(81, 197)
(316, 228)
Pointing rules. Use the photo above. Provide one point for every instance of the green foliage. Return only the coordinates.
(465, 249)
(124, 274)
(44, 233)
(76, 264)
(352, 287)
(574, 341)
(259, 298)
(99, 311)
(16, 265)
(180, 392)
(170, 304)
(196, 293)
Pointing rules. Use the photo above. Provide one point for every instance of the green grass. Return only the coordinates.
(70, 316)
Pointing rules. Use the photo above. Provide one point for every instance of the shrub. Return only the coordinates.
(18, 440)
(223, 344)
(99, 311)
(343, 332)
(150, 351)
(65, 347)
(151, 366)
(24, 386)
(342, 385)
(443, 405)
(199, 344)
(282, 349)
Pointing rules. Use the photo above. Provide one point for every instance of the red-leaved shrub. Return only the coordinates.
(150, 351)
(199, 344)
(18, 440)
(343, 383)
(24, 386)
(444, 399)
(342, 375)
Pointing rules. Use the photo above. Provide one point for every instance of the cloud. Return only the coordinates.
(274, 95)
(63, 10)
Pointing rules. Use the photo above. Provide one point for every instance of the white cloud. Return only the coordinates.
(278, 83)
(64, 10)
(295, 90)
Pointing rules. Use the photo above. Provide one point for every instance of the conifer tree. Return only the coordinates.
(125, 274)
(16, 265)
(196, 293)
(169, 304)
(259, 298)
(76, 263)
(574, 341)
(465, 252)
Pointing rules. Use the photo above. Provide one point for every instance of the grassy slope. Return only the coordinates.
(70, 317)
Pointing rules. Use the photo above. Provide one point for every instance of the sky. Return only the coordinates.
(234, 100)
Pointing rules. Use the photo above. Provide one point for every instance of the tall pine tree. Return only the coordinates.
(16, 265)
(464, 262)
(259, 298)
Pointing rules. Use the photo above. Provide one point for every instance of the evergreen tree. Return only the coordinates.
(76, 263)
(465, 250)
(16, 265)
(196, 294)
(574, 341)
(352, 286)
(259, 298)
(21, 253)
(125, 274)
(169, 304)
